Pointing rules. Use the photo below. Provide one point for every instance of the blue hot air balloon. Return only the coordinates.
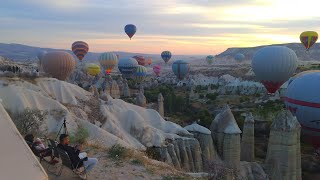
(127, 66)
(130, 30)
(303, 100)
(166, 56)
(239, 57)
(274, 65)
(140, 74)
(180, 68)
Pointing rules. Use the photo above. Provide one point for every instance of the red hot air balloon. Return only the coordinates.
(157, 69)
(80, 49)
(140, 59)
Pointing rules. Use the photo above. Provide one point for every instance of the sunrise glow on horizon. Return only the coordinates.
(181, 26)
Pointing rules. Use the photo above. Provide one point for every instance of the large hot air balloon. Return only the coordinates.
(157, 69)
(274, 65)
(303, 100)
(180, 68)
(140, 59)
(108, 61)
(166, 56)
(127, 66)
(239, 57)
(130, 30)
(210, 59)
(300, 74)
(140, 74)
(149, 61)
(308, 38)
(59, 64)
(80, 49)
(92, 69)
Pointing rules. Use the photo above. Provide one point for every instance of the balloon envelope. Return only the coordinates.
(149, 61)
(127, 66)
(140, 74)
(210, 59)
(239, 57)
(92, 69)
(303, 100)
(166, 56)
(308, 38)
(140, 59)
(300, 74)
(59, 64)
(40, 54)
(130, 30)
(108, 61)
(80, 49)
(180, 68)
(274, 65)
(157, 69)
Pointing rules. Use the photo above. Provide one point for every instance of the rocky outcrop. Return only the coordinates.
(247, 142)
(251, 171)
(160, 105)
(226, 134)
(126, 90)
(283, 159)
(114, 90)
(203, 135)
(141, 100)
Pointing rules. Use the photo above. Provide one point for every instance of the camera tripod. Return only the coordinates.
(64, 126)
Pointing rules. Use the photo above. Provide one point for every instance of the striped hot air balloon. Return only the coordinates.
(140, 59)
(80, 49)
(108, 61)
(59, 64)
(127, 66)
(166, 56)
(140, 74)
(181, 69)
(308, 38)
(210, 59)
(274, 65)
(157, 69)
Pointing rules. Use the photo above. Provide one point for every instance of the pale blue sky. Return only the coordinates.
(182, 26)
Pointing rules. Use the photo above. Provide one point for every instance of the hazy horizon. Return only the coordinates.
(184, 27)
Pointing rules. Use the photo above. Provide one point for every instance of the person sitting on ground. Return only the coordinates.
(39, 149)
(75, 153)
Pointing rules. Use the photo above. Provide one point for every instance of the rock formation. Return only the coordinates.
(141, 100)
(283, 157)
(203, 135)
(104, 96)
(160, 105)
(226, 133)
(126, 90)
(114, 90)
(247, 142)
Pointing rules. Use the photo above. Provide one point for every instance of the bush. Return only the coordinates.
(81, 136)
(117, 152)
(213, 96)
(28, 121)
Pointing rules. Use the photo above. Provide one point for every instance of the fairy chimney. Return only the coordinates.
(247, 142)
(114, 91)
(160, 105)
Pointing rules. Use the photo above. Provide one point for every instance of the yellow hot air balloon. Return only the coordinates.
(108, 61)
(59, 64)
(308, 38)
(92, 69)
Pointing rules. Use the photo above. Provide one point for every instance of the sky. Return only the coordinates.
(193, 27)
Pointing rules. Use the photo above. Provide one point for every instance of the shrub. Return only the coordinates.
(28, 121)
(213, 96)
(117, 152)
(81, 136)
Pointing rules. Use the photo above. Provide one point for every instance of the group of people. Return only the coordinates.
(78, 158)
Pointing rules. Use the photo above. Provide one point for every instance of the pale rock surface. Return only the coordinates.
(141, 100)
(114, 90)
(247, 142)
(161, 105)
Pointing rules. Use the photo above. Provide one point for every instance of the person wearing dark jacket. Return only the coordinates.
(75, 152)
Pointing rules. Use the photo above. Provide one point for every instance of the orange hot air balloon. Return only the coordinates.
(59, 64)
(308, 38)
(149, 61)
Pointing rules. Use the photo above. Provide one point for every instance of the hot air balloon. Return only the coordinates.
(59, 64)
(300, 74)
(180, 68)
(80, 49)
(130, 30)
(108, 61)
(239, 57)
(166, 56)
(149, 61)
(140, 74)
(274, 65)
(92, 69)
(127, 66)
(140, 59)
(157, 69)
(210, 59)
(308, 38)
(303, 100)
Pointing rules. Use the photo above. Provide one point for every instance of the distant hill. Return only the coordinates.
(312, 55)
(19, 52)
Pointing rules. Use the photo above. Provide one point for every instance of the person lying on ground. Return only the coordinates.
(76, 154)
